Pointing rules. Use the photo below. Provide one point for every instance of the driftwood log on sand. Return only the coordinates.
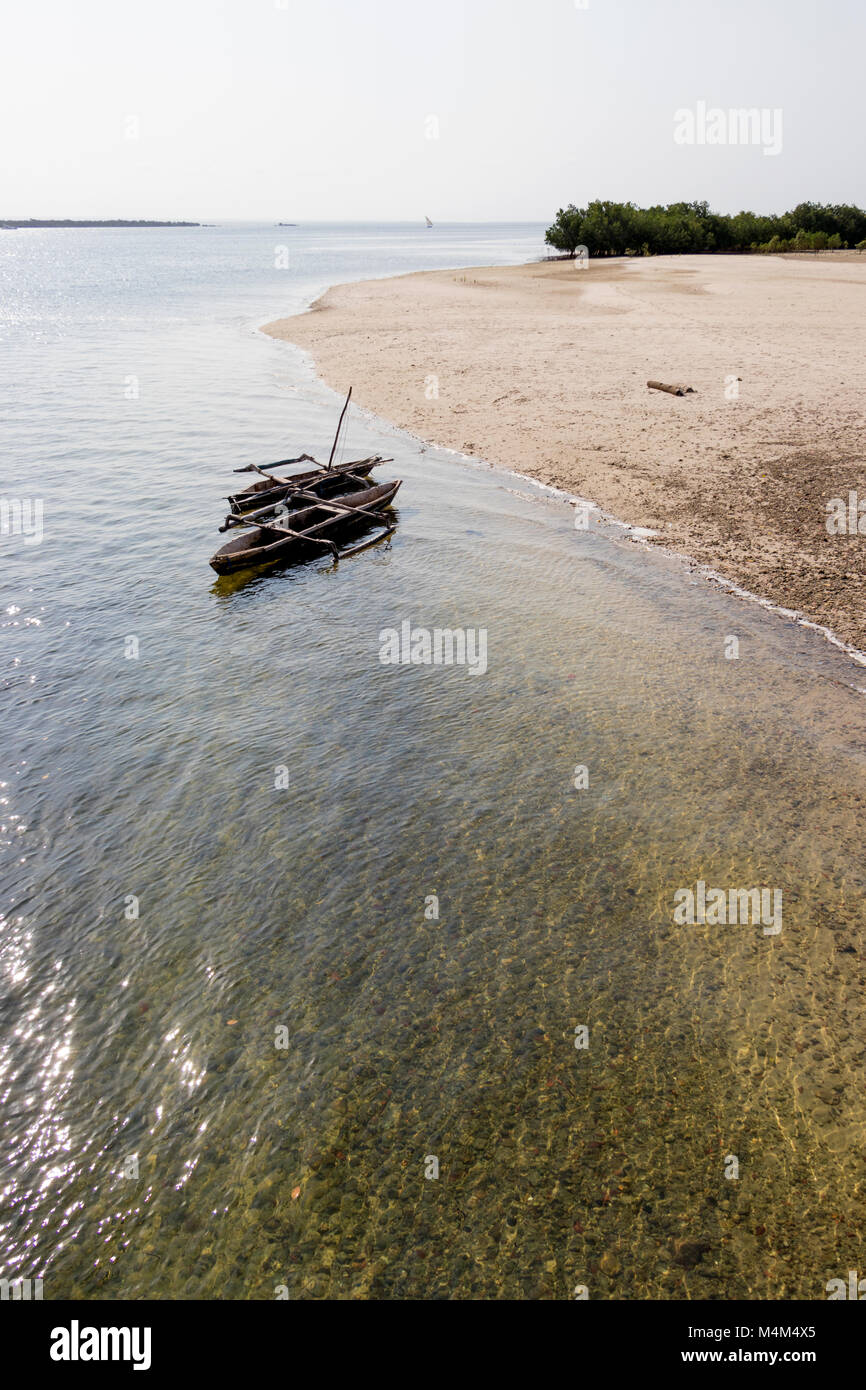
(673, 390)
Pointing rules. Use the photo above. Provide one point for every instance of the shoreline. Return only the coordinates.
(444, 354)
(635, 534)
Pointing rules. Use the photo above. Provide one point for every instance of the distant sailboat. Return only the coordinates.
(427, 220)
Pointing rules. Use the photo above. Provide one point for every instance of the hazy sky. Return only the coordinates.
(323, 109)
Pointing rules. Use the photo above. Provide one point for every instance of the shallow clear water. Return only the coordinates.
(148, 1044)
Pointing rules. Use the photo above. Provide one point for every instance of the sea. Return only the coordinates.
(330, 976)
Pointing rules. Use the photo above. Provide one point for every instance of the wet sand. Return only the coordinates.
(543, 369)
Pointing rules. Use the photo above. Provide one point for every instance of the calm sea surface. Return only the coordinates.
(243, 1026)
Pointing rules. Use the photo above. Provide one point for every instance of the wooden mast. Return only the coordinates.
(339, 427)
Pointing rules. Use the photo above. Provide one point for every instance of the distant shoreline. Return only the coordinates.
(543, 369)
(37, 222)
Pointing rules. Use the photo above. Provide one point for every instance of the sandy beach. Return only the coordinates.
(543, 369)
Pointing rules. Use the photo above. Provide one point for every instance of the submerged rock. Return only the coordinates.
(687, 1251)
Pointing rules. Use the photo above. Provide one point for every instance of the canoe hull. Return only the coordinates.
(256, 547)
(327, 483)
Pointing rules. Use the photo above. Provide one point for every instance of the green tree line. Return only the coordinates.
(623, 229)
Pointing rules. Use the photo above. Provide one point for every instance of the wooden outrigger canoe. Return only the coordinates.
(309, 531)
(325, 481)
